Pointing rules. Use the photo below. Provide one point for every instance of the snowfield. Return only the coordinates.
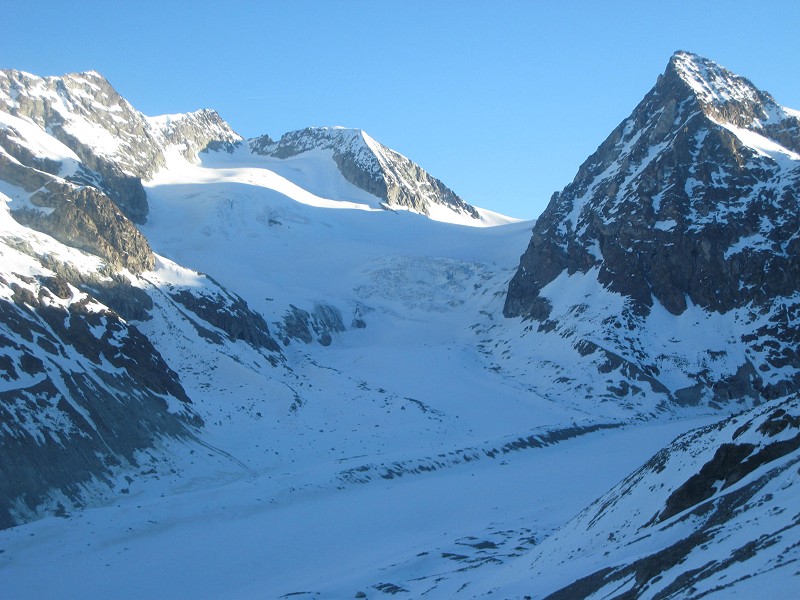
(394, 458)
(312, 392)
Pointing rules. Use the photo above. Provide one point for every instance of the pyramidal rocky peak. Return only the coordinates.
(691, 202)
(676, 165)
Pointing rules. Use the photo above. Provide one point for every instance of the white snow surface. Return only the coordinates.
(411, 454)
(390, 459)
(384, 459)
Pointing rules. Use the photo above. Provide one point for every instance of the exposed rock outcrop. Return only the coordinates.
(228, 313)
(84, 218)
(319, 325)
(384, 173)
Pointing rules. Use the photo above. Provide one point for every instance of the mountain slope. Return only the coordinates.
(78, 277)
(75, 375)
(372, 167)
(86, 397)
(712, 514)
(687, 213)
(343, 372)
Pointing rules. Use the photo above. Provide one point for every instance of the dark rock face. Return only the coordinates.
(301, 325)
(78, 216)
(674, 208)
(126, 191)
(370, 166)
(229, 313)
(83, 393)
(84, 218)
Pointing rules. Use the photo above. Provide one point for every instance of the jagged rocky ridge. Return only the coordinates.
(371, 166)
(690, 203)
(108, 144)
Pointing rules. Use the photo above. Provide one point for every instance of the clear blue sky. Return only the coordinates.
(501, 100)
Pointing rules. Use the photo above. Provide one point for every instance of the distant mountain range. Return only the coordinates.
(182, 309)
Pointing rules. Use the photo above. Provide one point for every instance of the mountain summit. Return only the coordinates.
(691, 158)
(729, 98)
(394, 179)
(690, 203)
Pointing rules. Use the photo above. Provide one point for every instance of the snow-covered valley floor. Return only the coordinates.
(277, 533)
(398, 458)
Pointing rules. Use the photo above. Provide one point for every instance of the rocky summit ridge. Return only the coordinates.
(397, 181)
(112, 145)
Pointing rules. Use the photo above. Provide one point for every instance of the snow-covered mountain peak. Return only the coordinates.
(688, 208)
(726, 97)
(713, 83)
(386, 174)
(196, 132)
(93, 136)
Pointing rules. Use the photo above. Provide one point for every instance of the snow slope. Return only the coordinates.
(400, 436)
(344, 467)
